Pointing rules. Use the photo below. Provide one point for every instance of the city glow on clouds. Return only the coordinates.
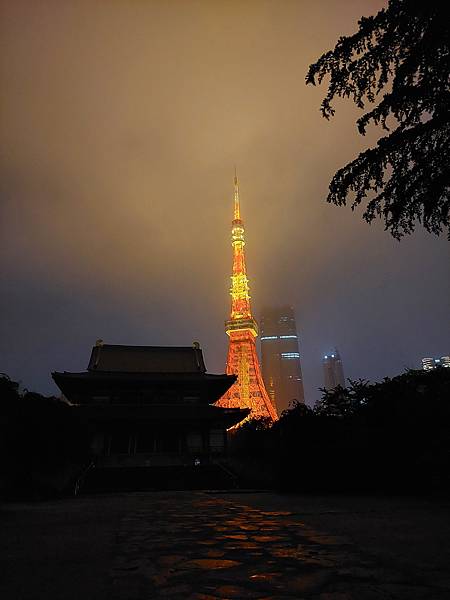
(121, 125)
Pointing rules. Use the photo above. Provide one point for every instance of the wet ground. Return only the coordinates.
(204, 546)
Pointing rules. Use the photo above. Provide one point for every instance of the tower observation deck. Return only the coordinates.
(242, 330)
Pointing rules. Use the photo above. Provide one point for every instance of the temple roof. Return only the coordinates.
(143, 374)
(79, 387)
(163, 413)
(146, 359)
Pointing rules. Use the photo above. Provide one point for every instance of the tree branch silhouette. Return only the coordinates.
(399, 57)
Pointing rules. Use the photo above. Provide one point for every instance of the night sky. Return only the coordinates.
(121, 123)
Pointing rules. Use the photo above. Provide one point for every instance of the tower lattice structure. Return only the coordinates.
(249, 390)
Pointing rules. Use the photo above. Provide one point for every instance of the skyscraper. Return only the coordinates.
(281, 367)
(242, 329)
(429, 364)
(333, 370)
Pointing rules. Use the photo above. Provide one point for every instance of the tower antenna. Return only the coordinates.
(237, 202)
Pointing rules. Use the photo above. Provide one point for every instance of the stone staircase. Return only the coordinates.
(133, 479)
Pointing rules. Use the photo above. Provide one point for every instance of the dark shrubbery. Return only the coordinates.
(42, 447)
(388, 436)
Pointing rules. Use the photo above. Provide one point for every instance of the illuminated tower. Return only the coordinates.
(242, 329)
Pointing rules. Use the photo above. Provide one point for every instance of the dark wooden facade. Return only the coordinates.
(151, 406)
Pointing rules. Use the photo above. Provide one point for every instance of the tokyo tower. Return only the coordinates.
(248, 391)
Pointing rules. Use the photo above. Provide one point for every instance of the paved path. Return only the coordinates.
(200, 546)
(204, 547)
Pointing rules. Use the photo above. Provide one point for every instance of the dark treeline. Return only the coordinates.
(392, 436)
(43, 446)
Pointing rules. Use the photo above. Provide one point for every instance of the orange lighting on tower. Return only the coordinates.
(242, 329)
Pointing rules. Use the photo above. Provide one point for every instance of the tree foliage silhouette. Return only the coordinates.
(398, 60)
(43, 443)
(391, 435)
(343, 402)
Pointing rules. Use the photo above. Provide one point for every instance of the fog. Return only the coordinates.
(121, 123)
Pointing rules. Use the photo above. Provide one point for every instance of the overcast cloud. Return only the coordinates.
(121, 123)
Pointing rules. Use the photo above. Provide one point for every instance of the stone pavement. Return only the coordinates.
(199, 546)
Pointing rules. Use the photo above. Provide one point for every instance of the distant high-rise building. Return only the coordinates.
(333, 370)
(431, 363)
(281, 368)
